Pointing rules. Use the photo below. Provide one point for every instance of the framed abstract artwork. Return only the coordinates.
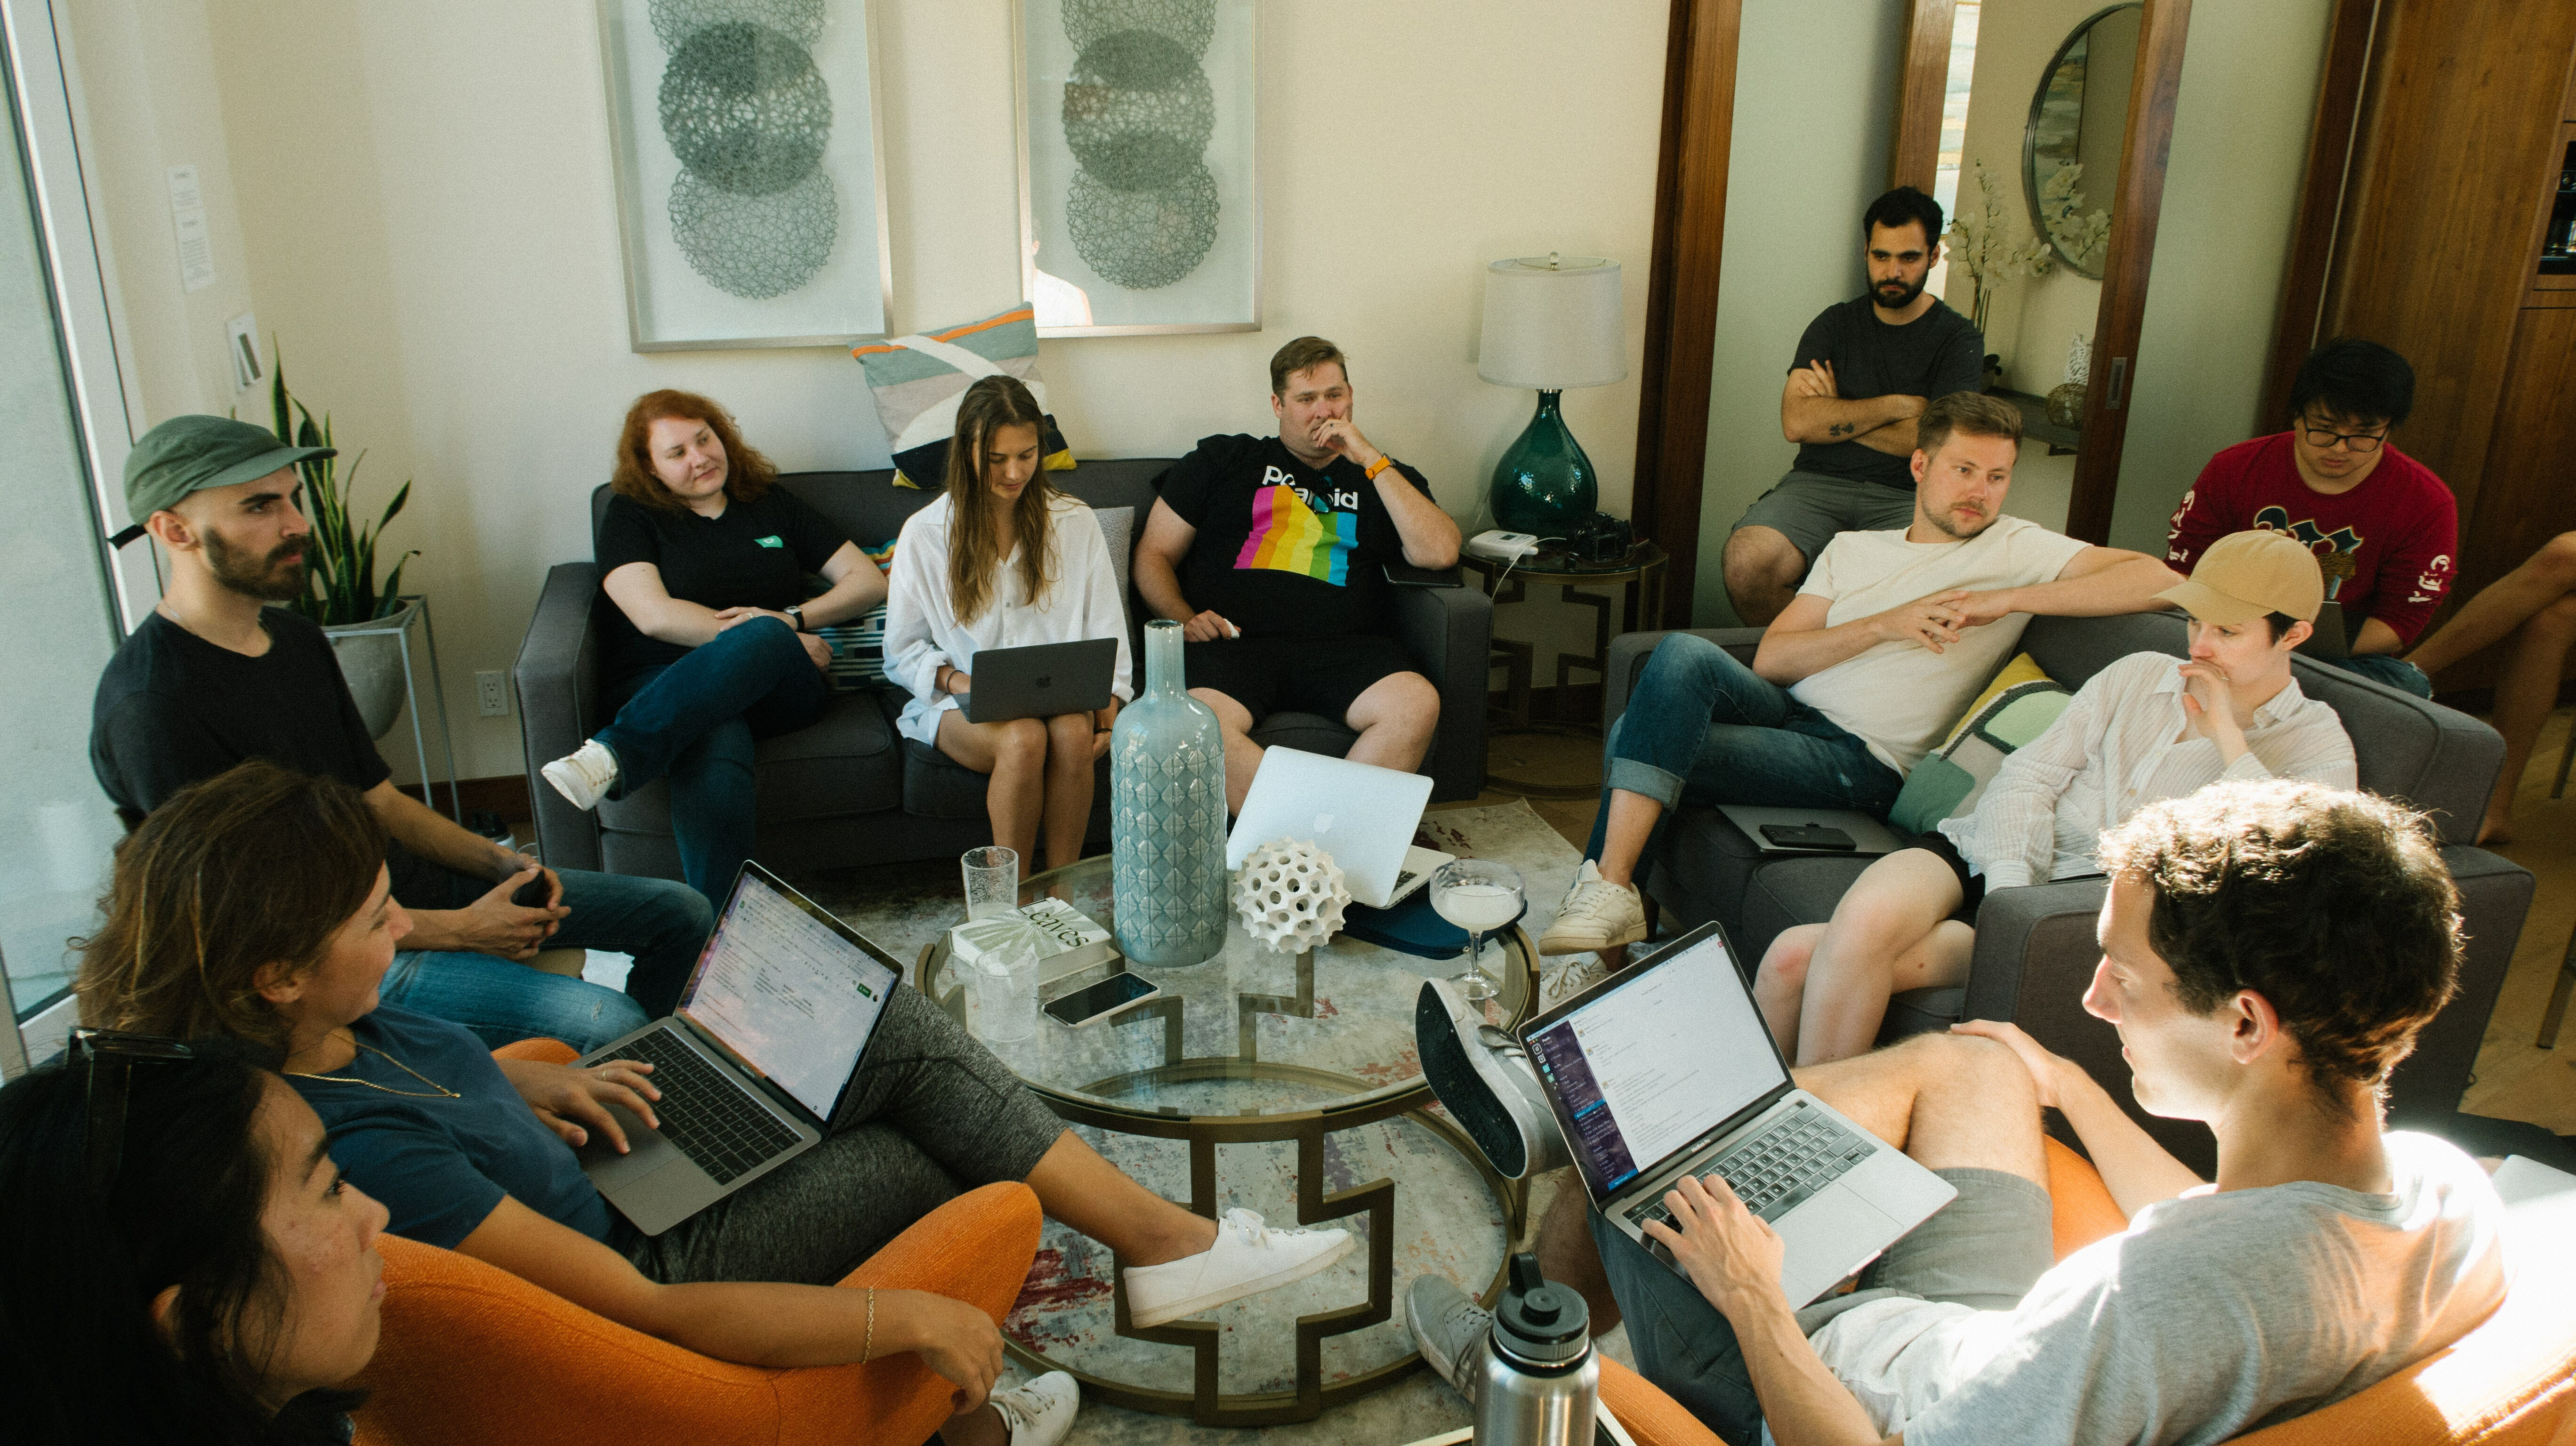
(1140, 201)
(750, 173)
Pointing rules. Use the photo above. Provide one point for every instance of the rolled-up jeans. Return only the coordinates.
(696, 721)
(1703, 728)
(662, 924)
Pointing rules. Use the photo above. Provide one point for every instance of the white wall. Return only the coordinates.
(1815, 106)
(427, 219)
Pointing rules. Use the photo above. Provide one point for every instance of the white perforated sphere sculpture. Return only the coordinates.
(1290, 895)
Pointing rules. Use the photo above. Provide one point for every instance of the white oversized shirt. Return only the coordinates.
(2121, 744)
(922, 631)
(1900, 697)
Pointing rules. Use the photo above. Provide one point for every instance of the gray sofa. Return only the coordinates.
(851, 791)
(2035, 951)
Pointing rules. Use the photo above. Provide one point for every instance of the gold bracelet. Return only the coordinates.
(1381, 464)
(868, 1346)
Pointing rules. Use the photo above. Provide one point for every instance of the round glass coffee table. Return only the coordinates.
(1250, 1047)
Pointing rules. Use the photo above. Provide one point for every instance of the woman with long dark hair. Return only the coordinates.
(183, 1262)
(1004, 560)
(710, 645)
(254, 905)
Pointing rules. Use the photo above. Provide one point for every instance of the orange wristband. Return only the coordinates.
(1381, 464)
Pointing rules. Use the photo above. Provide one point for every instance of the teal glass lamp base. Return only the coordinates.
(1545, 485)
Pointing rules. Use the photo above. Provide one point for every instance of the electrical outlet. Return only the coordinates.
(492, 694)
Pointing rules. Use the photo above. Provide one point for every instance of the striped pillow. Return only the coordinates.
(2016, 708)
(917, 381)
(858, 646)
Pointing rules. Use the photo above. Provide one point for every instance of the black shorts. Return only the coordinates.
(1295, 674)
(1972, 887)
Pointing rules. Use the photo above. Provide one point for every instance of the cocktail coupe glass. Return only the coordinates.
(1479, 896)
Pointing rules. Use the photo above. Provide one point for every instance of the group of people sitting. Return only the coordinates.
(303, 971)
(2272, 940)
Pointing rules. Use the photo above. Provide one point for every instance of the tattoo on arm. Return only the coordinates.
(1839, 429)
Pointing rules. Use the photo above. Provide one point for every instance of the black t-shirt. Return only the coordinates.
(173, 709)
(1283, 549)
(756, 555)
(1933, 355)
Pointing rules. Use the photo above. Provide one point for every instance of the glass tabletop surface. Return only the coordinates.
(1249, 1032)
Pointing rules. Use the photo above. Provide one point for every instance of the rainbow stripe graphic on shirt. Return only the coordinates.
(1289, 536)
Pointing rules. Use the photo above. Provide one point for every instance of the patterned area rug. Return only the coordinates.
(1446, 1221)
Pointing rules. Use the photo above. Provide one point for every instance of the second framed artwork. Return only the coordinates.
(1140, 203)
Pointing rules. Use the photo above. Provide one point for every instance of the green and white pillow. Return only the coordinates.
(917, 381)
(2016, 708)
(858, 646)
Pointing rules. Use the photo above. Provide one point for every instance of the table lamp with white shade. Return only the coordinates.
(1551, 322)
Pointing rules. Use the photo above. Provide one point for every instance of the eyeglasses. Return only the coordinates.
(2360, 442)
(109, 1056)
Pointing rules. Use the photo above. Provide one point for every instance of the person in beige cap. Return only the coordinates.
(2140, 730)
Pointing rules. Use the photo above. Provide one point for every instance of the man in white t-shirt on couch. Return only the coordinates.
(1890, 638)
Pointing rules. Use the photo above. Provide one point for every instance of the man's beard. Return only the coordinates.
(263, 579)
(1912, 290)
(1941, 520)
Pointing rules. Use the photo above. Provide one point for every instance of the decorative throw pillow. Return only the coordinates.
(2015, 708)
(858, 646)
(917, 381)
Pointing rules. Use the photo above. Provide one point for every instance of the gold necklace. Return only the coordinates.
(443, 1091)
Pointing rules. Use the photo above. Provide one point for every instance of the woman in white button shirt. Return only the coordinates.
(1004, 560)
(2144, 728)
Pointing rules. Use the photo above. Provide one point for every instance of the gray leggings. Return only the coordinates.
(931, 1115)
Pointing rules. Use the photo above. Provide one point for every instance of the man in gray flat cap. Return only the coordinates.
(216, 676)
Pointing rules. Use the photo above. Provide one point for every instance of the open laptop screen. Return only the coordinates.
(1665, 1055)
(790, 996)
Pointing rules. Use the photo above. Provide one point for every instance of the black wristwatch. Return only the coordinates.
(796, 617)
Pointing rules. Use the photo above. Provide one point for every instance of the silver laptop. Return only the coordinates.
(1040, 680)
(768, 1036)
(1361, 814)
(1796, 830)
(1665, 1069)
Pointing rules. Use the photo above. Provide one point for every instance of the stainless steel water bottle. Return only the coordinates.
(1540, 1382)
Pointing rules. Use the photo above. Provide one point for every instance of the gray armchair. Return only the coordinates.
(2035, 952)
(851, 791)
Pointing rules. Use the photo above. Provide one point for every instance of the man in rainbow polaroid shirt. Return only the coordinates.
(1271, 552)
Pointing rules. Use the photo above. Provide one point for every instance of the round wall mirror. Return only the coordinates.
(2071, 149)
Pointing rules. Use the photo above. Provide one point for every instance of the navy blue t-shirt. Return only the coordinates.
(439, 1165)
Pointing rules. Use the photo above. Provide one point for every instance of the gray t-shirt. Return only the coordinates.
(1933, 355)
(2209, 1316)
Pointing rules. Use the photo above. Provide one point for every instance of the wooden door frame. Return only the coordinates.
(2332, 139)
(1681, 292)
(2162, 28)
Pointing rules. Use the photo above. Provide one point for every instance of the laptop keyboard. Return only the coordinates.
(704, 1114)
(1775, 1171)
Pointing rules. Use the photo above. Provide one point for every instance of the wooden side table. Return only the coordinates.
(1641, 607)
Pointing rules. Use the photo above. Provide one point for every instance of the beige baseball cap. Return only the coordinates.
(2245, 575)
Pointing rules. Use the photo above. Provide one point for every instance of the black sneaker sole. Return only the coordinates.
(1461, 1090)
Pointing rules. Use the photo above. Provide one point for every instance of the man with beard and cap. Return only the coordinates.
(215, 676)
(1890, 638)
(1865, 370)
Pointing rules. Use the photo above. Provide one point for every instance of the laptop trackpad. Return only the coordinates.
(1829, 1236)
(646, 1152)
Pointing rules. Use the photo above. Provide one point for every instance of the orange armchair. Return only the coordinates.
(473, 1354)
(2510, 1382)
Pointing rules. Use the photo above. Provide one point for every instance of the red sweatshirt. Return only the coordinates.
(2386, 545)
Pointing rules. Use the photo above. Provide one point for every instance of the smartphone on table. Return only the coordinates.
(1095, 1002)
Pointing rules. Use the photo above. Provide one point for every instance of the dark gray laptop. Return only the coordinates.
(2330, 642)
(1665, 1069)
(768, 1036)
(1040, 680)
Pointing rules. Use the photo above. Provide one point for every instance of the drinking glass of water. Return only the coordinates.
(1479, 896)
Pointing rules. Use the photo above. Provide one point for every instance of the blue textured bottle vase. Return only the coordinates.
(1167, 816)
(1545, 484)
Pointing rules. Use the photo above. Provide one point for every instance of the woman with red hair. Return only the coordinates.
(711, 644)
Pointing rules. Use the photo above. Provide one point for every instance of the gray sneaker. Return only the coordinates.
(1450, 1330)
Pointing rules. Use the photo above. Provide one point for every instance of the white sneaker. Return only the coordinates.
(1249, 1257)
(1039, 1413)
(584, 775)
(1597, 914)
(1573, 979)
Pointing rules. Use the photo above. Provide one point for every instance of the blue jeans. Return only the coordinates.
(662, 924)
(2386, 668)
(696, 721)
(1703, 728)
